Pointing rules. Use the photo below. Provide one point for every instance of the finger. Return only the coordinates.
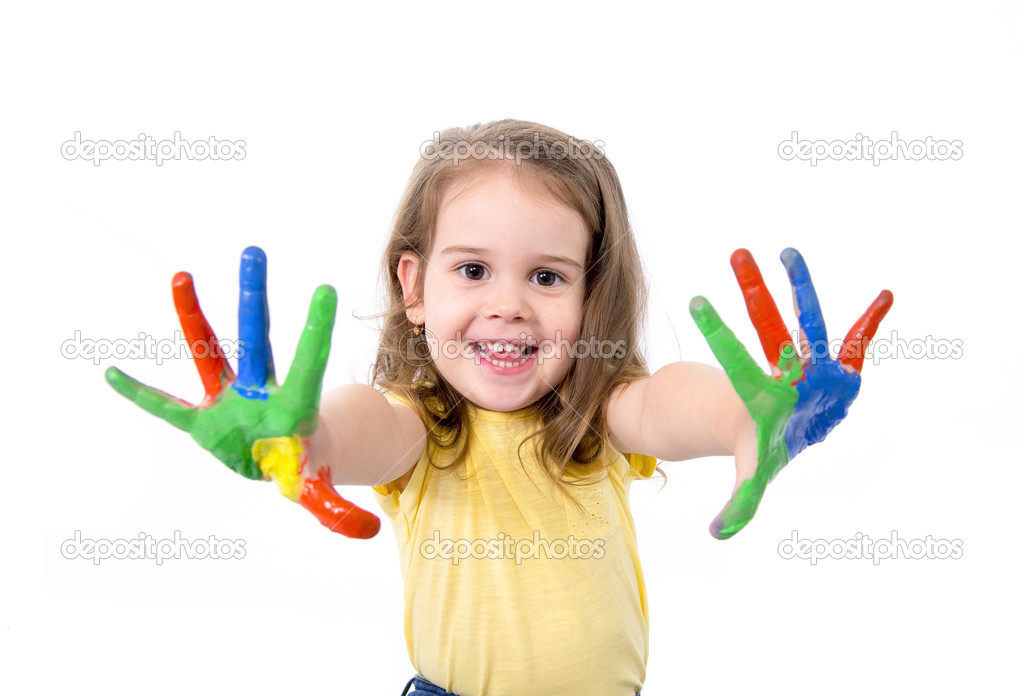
(255, 362)
(857, 340)
(805, 301)
(739, 510)
(746, 376)
(305, 378)
(178, 413)
(280, 459)
(336, 513)
(764, 313)
(214, 369)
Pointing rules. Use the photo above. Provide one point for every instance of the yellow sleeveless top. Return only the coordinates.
(510, 588)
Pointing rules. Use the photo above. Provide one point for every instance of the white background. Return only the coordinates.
(333, 105)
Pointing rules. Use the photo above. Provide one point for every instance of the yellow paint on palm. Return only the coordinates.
(280, 459)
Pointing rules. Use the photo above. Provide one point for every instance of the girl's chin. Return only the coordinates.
(489, 400)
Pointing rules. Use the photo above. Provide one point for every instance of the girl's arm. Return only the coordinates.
(364, 439)
(683, 411)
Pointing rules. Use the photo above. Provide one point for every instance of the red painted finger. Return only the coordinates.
(336, 513)
(856, 341)
(764, 314)
(213, 367)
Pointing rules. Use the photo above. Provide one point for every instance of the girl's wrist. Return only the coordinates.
(744, 449)
(319, 450)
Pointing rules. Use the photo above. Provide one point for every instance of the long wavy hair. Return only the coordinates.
(577, 174)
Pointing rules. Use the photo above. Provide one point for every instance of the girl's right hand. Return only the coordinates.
(257, 428)
(806, 396)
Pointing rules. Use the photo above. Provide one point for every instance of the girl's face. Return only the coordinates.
(507, 264)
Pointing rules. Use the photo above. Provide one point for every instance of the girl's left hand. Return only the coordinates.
(806, 397)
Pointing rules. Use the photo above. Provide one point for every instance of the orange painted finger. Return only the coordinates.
(336, 513)
(764, 313)
(213, 367)
(856, 342)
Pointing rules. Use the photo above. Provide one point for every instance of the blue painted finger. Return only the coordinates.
(808, 310)
(255, 362)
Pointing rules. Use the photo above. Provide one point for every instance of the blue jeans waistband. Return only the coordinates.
(422, 687)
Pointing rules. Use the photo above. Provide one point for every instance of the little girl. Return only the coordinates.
(514, 410)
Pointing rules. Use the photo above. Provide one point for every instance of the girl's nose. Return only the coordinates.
(507, 303)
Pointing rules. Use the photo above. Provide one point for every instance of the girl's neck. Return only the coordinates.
(524, 413)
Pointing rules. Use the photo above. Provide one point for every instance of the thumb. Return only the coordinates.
(281, 459)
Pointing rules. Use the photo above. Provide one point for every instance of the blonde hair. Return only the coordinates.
(578, 175)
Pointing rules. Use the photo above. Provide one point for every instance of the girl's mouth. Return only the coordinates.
(504, 355)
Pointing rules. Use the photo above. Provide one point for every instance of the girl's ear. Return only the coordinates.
(409, 267)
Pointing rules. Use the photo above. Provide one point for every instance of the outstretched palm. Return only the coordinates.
(249, 422)
(808, 397)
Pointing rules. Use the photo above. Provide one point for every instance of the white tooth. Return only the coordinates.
(504, 363)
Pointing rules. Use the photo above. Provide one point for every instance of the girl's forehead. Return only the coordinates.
(500, 180)
(502, 196)
(503, 215)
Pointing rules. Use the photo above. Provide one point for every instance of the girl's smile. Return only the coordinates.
(506, 359)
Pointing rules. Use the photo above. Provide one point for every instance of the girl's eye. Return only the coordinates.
(472, 271)
(547, 278)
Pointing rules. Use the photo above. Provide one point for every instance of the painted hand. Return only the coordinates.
(806, 397)
(254, 426)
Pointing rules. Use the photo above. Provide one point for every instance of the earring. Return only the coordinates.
(418, 330)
